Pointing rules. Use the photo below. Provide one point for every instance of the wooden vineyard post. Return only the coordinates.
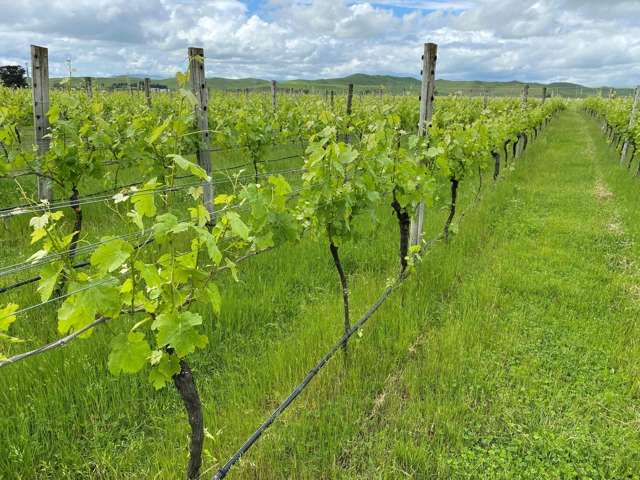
(273, 94)
(88, 85)
(632, 121)
(147, 92)
(525, 96)
(427, 90)
(544, 94)
(485, 99)
(198, 86)
(521, 136)
(332, 99)
(40, 96)
(347, 139)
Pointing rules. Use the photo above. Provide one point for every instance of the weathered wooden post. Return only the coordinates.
(273, 94)
(347, 138)
(485, 99)
(40, 96)
(544, 94)
(197, 81)
(525, 96)
(521, 136)
(332, 98)
(88, 85)
(427, 90)
(632, 121)
(147, 91)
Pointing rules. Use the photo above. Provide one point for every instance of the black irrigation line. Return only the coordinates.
(386, 293)
(253, 438)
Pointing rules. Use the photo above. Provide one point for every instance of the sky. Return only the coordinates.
(592, 42)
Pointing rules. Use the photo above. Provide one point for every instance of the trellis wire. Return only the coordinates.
(26, 265)
(59, 297)
(87, 200)
(294, 143)
(114, 190)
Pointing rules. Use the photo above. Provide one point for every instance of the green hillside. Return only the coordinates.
(367, 84)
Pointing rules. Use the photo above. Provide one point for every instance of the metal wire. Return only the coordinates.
(19, 267)
(52, 257)
(59, 297)
(88, 200)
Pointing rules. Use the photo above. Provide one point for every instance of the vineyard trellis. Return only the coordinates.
(355, 157)
(619, 123)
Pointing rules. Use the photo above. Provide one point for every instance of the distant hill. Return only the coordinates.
(369, 84)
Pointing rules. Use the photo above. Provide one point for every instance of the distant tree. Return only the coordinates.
(13, 76)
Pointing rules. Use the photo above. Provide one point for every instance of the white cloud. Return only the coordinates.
(549, 40)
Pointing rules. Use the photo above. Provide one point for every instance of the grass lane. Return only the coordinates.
(533, 373)
(511, 355)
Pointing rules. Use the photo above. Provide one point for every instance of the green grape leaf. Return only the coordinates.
(111, 255)
(280, 186)
(48, 279)
(165, 366)
(164, 224)
(190, 167)
(177, 330)
(144, 201)
(149, 273)
(237, 225)
(129, 353)
(156, 132)
(212, 247)
(136, 218)
(211, 293)
(200, 214)
(7, 317)
(80, 309)
(75, 314)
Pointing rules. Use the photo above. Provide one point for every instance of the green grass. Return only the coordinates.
(511, 354)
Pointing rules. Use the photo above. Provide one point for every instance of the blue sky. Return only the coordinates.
(585, 41)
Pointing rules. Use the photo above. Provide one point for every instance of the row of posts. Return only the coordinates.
(197, 79)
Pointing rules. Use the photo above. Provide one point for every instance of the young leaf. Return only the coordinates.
(110, 256)
(129, 353)
(7, 317)
(190, 167)
(237, 225)
(177, 330)
(48, 279)
(143, 201)
(165, 367)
